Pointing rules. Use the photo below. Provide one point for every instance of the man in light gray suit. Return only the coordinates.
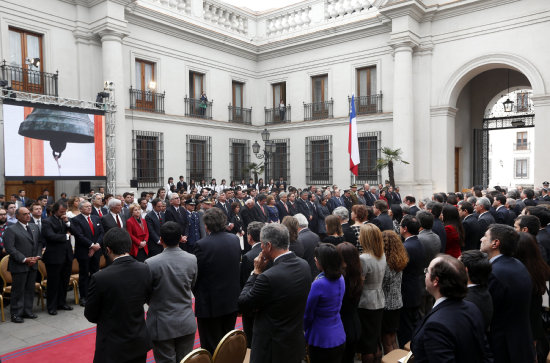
(21, 243)
(432, 245)
(170, 318)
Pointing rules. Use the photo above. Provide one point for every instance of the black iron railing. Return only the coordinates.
(146, 100)
(197, 108)
(277, 115)
(367, 104)
(522, 146)
(318, 110)
(31, 81)
(240, 115)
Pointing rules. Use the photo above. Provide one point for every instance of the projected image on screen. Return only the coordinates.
(45, 142)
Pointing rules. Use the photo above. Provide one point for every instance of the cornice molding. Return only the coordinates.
(396, 9)
(446, 111)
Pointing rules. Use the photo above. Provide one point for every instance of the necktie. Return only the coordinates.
(99, 212)
(30, 232)
(91, 225)
(118, 222)
(160, 219)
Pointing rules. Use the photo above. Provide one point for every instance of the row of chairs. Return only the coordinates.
(39, 286)
(231, 349)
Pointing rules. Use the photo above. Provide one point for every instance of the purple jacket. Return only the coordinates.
(322, 323)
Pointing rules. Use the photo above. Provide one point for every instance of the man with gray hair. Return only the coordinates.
(485, 219)
(113, 218)
(278, 333)
(309, 240)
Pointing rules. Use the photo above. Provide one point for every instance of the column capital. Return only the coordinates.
(540, 100)
(404, 41)
(445, 110)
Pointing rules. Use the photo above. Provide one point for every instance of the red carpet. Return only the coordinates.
(75, 348)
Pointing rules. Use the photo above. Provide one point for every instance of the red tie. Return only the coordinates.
(100, 214)
(118, 221)
(91, 225)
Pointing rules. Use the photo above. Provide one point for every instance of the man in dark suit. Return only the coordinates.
(115, 303)
(282, 206)
(260, 210)
(479, 269)
(382, 220)
(97, 206)
(396, 196)
(485, 219)
(181, 184)
(471, 226)
(154, 221)
(510, 334)
(218, 282)
(175, 213)
(22, 244)
(58, 257)
(310, 241)
(224, 205)
(453, 330)
(411, 202)
(501, 213)
(281, 183)
(543, 234)
(336, 201)
(346, 199)
(88, 234)
(37, 218)
(292, 207)
(247, 266)
(278, 334)
(527, 198)
(113, 218)
(411, 286)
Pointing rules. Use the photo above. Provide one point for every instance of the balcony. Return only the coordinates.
(31, 81)
(240, 115)
(365, 105)
(277, 115)
(148, 101)
(318, 110)
(197, 108)
(522, 146)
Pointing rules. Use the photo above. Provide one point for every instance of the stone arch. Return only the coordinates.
(468, 71)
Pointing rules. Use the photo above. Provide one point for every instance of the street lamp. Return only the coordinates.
(508, 104)
(269, 149)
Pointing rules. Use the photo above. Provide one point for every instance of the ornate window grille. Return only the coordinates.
(199, 157)
(279, 164)
(319, 159)
(370, 151)
(148, 158)
(239, 151)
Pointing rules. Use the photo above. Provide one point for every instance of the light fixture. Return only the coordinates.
(508, 104)
(265, 135)
(34, 62)
(152, 85)
(256, 147)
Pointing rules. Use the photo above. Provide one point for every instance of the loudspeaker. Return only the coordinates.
(84, 187)
(133, 183)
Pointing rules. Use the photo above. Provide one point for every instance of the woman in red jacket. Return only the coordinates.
(137, 227)
(454, 230)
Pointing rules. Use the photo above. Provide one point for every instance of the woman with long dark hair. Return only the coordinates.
(335, 235)
(396, 259)
(453, 229)
(323, 326)
(354, 287)
(397, 215)
(359, 215)
(528, 253)
(235, 219)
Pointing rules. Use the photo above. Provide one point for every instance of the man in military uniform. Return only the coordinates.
(193, 231)
(353, 194)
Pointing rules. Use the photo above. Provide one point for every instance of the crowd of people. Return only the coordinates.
(337, 272)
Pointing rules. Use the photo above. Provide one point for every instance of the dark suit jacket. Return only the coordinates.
(247, 215)
(218, 279)
(413, 210)
(304, 207)
(451, 332)
(153, 225)
(510, 336)
(19, 245)
(180, 218)
(310, 241)
(278, 296)
(481, 298)
(292, 208)
(247, 263)
(411, 286)
(501, 216)
(83, 235)
(41, 239)
(471, 233)
(115, 302)
(384, 222)
(259, 214)
(349, 234)
(439, 229)
(485, 220)
(543, 239)
(108, 222)
(58, 247)
(226, 210)
(282, 208)
(104, 211)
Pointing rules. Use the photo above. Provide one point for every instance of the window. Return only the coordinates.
(24, 47)
(367, 100)
(148, 158)
(522, 166)
(522, 102)
(238, 94)
(145, 85)
(521, 138)
(279, 93)
(369, 153)
(239, 151)
(279, 164)
(319, 159)
(319, 88)
(199, 157)
(196, 85)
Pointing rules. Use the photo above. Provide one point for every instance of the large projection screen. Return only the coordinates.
(53, 143)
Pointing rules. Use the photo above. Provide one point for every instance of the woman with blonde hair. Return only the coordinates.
(72, 206)
(137, 228)
(397, 259)
(372, 301)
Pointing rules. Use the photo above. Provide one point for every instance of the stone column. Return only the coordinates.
(443, 142)
(403, 113)
(541, 170)
(113, 68)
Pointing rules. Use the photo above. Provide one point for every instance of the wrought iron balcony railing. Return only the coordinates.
(277, 115)
(147, 100)
(367, 104)
(30, 81)
(522, 146)
(240, 115)
(197, 108)
(318, 110)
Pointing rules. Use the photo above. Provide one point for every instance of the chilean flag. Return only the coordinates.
(353, 145)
